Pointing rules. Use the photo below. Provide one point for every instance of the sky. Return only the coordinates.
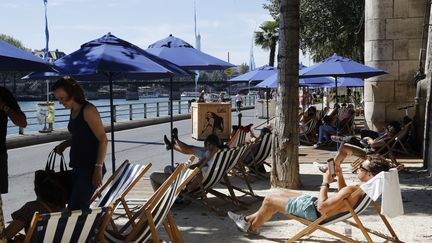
(224, 25)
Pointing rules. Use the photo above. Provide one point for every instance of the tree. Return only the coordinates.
(14, 75)
(243, 68)
(285, 164)
(267, 38)
(327, 27)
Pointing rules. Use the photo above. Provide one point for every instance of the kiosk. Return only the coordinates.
(208, 118)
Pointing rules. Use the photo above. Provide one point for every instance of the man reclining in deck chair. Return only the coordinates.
(309, 207)
(351, 145)
(211, 146)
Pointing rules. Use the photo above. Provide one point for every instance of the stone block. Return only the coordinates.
(374, 114)
(408, 8)
(404, 91)
(407, 70)
(407, 49)
(375, 29)
(416, 8)
(393, 114)
(368, 51)
(401, 9)
(379, 9)
(380, 91)
(391, 67)
(408, 28)
(382, 50)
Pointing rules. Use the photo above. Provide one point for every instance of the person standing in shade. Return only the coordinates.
(88, 142)
(9, 108)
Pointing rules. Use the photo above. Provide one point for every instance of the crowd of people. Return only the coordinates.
(88, 146)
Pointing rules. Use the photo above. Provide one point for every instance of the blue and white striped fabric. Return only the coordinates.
(221, 162)
(75, 226)
(237, 139)
(158, 212)
(360, 206)
(264, 150)
(123, 180)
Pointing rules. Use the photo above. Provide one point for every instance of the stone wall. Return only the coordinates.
(393, 38)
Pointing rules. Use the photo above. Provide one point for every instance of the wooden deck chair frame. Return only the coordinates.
(99, 216)
(155, 211)
(238, 139)
(400, 139)
(240, 168)
(387, 150)
(119, 184)
(352, 211)
(223, 162)
(310, 127)
(348, 127)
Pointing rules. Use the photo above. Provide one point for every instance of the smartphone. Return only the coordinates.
(331, 167)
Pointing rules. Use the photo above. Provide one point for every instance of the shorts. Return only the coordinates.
(303, 207)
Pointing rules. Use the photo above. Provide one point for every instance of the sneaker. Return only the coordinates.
(319, 145)
(175, 133)
(240, 221)
(322, 168)
(167, 142)
(337, 139)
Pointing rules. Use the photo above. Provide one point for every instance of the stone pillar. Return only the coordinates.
(393, 37)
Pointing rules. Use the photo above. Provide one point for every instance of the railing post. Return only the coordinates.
(157, 109)
(169, 108)
(179, 106)
(115, 113)
(130, 112)
(21, 131)
(145, 110)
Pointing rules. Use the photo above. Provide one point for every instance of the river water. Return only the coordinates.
(62, 115)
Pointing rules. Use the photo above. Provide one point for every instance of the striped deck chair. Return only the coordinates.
(238, 139)
(119, 184)
(309, 128)
(155, 211)
(263, 152)
(351, 211)
(222, 162)
(75, 226)
(237, 165)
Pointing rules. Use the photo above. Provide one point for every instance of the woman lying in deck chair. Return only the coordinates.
(308, 207)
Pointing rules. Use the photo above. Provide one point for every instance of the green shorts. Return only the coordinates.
(303, 206)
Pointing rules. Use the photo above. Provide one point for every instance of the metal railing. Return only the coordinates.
(122, 112)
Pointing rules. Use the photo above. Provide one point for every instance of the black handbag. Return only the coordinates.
(63, 177)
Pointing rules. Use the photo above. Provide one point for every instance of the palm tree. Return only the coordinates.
(285, 166)
(267, 38)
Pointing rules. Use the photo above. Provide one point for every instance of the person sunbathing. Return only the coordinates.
(212, 145)
(306, 206)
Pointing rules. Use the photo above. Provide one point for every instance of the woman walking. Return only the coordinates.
(88, 142)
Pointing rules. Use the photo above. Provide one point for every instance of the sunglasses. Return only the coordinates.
(363, 168)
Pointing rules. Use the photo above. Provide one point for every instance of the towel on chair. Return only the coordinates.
(387, 184)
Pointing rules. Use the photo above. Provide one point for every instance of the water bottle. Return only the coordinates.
(348, 231)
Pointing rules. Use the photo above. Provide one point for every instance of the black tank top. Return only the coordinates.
(84, 144)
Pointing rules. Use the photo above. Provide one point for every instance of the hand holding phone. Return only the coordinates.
(331, 167)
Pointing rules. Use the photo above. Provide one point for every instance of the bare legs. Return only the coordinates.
(272, 204)
(349, 149)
